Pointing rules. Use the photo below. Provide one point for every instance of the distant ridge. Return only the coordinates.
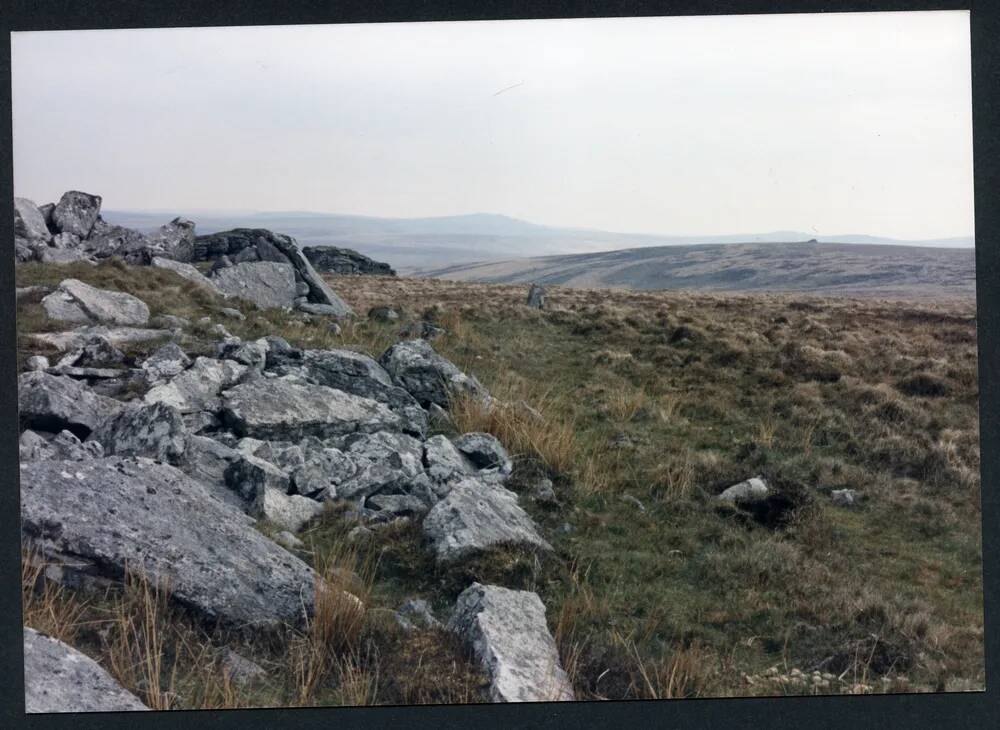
(410, 244)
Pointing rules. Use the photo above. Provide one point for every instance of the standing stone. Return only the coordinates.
(58, 678)
(76, 213)
(536, 297)
(509, 636)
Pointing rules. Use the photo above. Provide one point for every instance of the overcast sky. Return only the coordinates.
(839, 123)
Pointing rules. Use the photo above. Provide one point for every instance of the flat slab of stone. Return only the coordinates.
(99, 515)
(284, 410)
(117, 336)
(75, 301)
(477, 516)
(509, 636)
(58, 678)
(265, 283)
(186, 271)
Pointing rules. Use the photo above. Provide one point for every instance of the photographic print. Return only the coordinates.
(497, 361)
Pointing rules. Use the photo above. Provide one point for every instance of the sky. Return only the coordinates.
(824, 123)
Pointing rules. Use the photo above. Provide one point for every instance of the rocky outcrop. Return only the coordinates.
(283, 409)
(75, 301)
(477, 516)
(428, 377)
(507, 632)
(95, 517)
(52, 403)
(264, 283)
(33, 446)
(260, 245)
(345, 262)
(487, 454)
(58, 678)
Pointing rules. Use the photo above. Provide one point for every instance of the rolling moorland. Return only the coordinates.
(644, 406)
(850, 269)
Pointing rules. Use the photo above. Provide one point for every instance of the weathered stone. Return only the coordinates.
(186, 271)
(287, 511)
(247, 255)
(277, 408)
(50, 255)
(58, 678)
(543, 493)
(198, 387)
(844, 497)
(428, 377)
(107, 240)
(445, 464)
(67, 241)
(76, 213)
(266, 284)
(250, 476)
(417, 611)
(139, 429)
(421, 330)
(53, 403)
(170, 321)
(251, 354)
(75, 301)
(320, 310)
(344, 261)
(288, 541)
(232, 313)
(97, 351)
(383, 314)
(36, 362)
(28, 221)
(64, 445)
(206, 461)
(536, 297)
(117, 336)
(165, 363)
(477, 516)
(99, 516)
(173, 240)
(487, 454)
(397, 504)
(508, 634)
(319, 291)
(352, 373)
(752, 490)
(239, 670)
(384, 462)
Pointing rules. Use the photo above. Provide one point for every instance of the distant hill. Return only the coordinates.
(855, 269)
(411, 244)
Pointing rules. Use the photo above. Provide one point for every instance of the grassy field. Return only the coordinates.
(644, 405)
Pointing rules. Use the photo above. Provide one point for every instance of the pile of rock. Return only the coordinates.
(73, 230)
(172, 481)
(260, 266)
(345, 262)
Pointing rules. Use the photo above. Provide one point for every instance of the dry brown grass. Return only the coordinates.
(525, 434)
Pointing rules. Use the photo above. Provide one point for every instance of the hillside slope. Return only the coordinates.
(820, 268)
